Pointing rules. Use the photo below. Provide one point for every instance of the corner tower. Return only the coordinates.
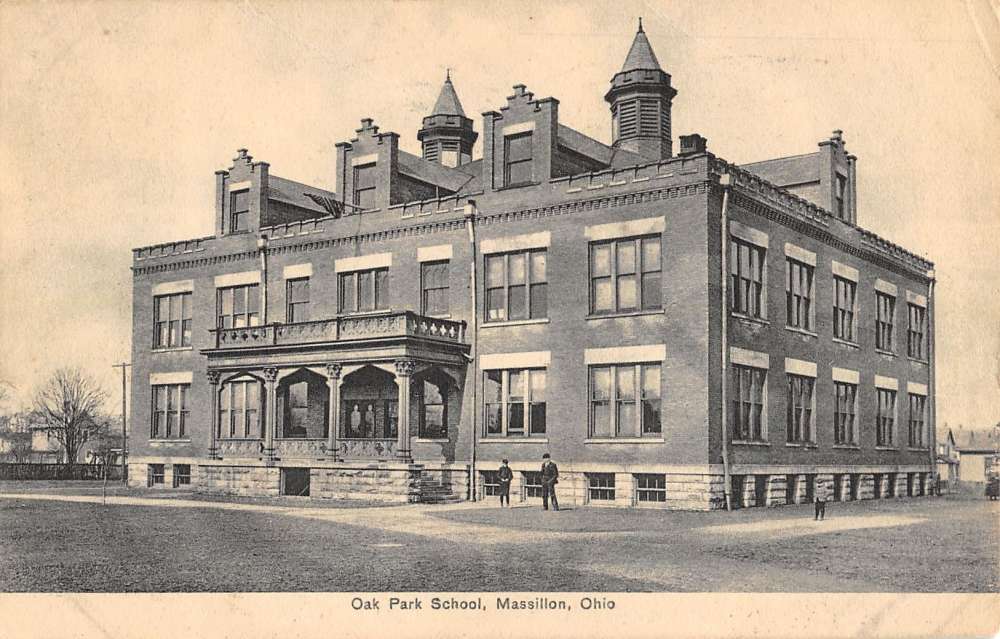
(446, 136)
(640, 98)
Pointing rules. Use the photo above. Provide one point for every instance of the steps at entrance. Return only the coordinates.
(434, 492)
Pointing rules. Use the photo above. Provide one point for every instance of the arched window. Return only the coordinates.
(240, 410)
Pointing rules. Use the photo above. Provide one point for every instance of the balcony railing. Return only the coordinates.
(342, 329)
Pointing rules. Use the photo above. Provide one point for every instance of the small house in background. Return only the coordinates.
(947, 460)
(978, 451)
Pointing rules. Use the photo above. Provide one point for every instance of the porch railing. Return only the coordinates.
(342, 329)
(292, 448)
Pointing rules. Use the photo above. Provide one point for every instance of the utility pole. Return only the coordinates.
(123, 366)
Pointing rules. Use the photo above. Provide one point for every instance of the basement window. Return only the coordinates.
(295, 482)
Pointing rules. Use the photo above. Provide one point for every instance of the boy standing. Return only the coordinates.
(504, 477)
(821, 496)
(550, 477)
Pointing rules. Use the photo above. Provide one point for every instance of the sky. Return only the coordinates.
(115, 116)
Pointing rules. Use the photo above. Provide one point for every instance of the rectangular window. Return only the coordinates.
(364, 291)
(156, 474)
(532, 482)
(182, 475)
(885, 424)
(239, 211)
(840, 197)
(625, 401)
(434, 288)
(516, 286)
(170, 411)
(915, 331)
(491, 483)
(364, 186)
(798, 294)
(747, 412)
(625, 275)
(885, 307)
(297, 296)
(650, 488)
(514, 402)
(844, 291)
(845, 407)
(601, 486)
(238, 306)
(240, 411)
(916, 426)
(800, 409)
(517, 159)
(172, 320)
(746, 274)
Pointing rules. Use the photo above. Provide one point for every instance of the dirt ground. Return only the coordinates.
(56, 538)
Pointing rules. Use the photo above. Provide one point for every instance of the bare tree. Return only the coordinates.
(69, 405)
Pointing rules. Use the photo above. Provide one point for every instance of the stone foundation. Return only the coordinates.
(396, 482)
(363, 481)
(901, 485)
(777, 490)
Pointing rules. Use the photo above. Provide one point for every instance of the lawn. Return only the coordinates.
(920, 545)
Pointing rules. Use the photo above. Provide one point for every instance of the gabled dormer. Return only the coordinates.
(367, 167)
(240, 195)
(248, 197)
(519, 141)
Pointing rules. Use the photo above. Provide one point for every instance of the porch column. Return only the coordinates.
(333, 381)
(404, 369)
(213, 387)
(270, 414)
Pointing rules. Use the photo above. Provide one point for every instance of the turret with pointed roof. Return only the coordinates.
(446, 136)
(640, 99)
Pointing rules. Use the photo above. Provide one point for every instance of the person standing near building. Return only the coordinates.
(504, 477)
(550, 477)
(820, 496)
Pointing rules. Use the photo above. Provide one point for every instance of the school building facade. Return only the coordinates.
(672, 328)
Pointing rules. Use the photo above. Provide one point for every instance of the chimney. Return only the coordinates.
(691, 144)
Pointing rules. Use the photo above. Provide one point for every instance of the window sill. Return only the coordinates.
(844, 342)
(625, 440)
(431, 440)
(917, 360)
(802, 445)
(162, 440)
(514, 440)
(916, 449)
(526, 322)
(801, 331)
(892, 448)
(760, 321)
(846, 446)
(885, 352)
(747, 442)
(440, 316)
(595, 316)
(172, 349)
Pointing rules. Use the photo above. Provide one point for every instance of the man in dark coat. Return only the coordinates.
(550, 477)
(504, 477)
